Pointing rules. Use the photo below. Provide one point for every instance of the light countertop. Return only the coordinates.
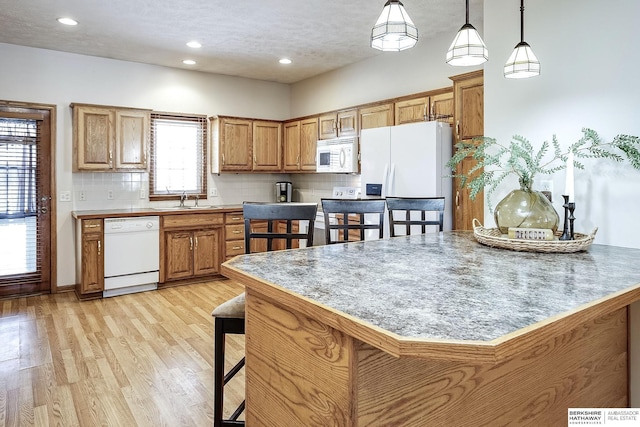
(445, 286)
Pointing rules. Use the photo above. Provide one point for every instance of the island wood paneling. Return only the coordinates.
(324, 377)
(309, 383)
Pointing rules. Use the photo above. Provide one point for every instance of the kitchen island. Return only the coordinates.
(434, 330)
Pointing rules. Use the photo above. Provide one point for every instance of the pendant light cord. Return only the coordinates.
(468, 12)
(521, 21)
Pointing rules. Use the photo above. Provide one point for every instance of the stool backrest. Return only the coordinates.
(337, 213)
(276, 215)
(421, 205)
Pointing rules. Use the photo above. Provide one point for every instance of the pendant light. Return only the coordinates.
(522, 63)
(467, 47)
(394, 30)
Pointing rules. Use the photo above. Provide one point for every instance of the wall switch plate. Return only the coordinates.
(213, 192)
(82, 196)
(110, 194)
(65, 196)
(143, 193)
(546, 187)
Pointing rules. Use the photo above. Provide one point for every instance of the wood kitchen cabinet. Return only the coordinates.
(376, 116)
(425, 108)
(468, 90)
(110, 138)
(89, 258)
(341, 123)
(244, 145)
(300, 137)
(267, 145)
(233, 234)
(191, 246)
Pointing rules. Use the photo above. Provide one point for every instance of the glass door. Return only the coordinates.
(25, 217)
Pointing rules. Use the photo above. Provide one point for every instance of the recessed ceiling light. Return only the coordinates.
(194, 44)
(285, 61)
(67, 21)
(189, 62)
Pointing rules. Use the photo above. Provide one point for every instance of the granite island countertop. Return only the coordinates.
(446, 286)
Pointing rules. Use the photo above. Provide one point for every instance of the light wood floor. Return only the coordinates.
(144, 359)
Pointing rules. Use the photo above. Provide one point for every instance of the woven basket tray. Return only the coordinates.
(493, 237)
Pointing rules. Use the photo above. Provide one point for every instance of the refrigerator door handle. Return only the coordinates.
(392, 176)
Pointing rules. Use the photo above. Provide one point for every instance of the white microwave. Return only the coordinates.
(338, 155)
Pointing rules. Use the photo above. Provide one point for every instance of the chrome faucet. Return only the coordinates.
(183, 198)
(196, 196)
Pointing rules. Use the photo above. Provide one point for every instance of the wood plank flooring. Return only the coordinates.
(143, 359)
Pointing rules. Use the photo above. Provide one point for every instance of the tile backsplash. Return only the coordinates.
(124, 190)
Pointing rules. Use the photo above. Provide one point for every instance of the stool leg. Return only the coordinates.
(218, 371)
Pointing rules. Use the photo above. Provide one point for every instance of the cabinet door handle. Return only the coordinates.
(236, 231)
(110, 157)
(235, 218)
(255, 159)
(223, 158)
(237, 247)
(424, 113)
(458, 128)
(298, 160)
(99, 247)
(190, 243)
(196, 243)
(92, 226)
(457, 198)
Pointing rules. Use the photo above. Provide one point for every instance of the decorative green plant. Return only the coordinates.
(496, 161)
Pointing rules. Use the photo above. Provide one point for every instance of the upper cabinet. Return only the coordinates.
(300, 137)
(246, 145)
(267, 143)
(376, 116)
(110, 138)
(341, 123)
(425, 108)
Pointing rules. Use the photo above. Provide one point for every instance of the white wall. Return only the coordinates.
(48, 77)
(589, 64)
(387, 75)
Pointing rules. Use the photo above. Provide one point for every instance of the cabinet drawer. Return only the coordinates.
(235, 247)
(233, 218)
(192, 220)
(92, 226)
(234, 232)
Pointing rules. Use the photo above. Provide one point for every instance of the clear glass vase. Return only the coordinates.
(525, 209)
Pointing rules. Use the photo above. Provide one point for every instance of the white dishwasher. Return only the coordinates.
(131, 255)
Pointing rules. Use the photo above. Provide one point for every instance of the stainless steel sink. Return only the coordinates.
(169, 208)
(203, 207)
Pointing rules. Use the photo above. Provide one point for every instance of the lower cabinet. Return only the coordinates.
(90, 268)
(191, 246)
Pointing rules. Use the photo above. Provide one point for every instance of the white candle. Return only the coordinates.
(568, 183)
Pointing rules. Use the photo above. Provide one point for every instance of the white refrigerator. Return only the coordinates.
(407, 161)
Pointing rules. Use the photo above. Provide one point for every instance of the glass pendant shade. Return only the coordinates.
(522, 63)
(394, 30)
(467, 48)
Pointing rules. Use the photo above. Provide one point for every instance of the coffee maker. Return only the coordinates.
(283, 191)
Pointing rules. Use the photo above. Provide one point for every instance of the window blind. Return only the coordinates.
(19, 142)
(178, 155)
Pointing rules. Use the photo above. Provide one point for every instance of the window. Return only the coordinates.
(178, 155)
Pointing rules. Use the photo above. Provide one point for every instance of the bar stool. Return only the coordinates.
(414, 204)
(341, 210)
(230, 316)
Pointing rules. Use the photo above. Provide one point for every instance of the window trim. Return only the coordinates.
(202, 120)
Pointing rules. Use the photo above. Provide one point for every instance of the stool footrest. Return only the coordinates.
(233, 371)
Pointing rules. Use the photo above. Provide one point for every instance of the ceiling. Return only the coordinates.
(241, 38)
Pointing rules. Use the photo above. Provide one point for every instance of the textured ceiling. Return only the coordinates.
(241, 38)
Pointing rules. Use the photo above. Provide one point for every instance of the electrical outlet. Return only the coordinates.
(65, 196)
(546, 187)
(143, 193)
(82, 196)
(110, 195)
(213, 192)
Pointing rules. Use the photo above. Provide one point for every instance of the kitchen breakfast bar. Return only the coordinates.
(436, 330)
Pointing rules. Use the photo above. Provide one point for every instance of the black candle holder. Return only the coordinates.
(567, 231)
